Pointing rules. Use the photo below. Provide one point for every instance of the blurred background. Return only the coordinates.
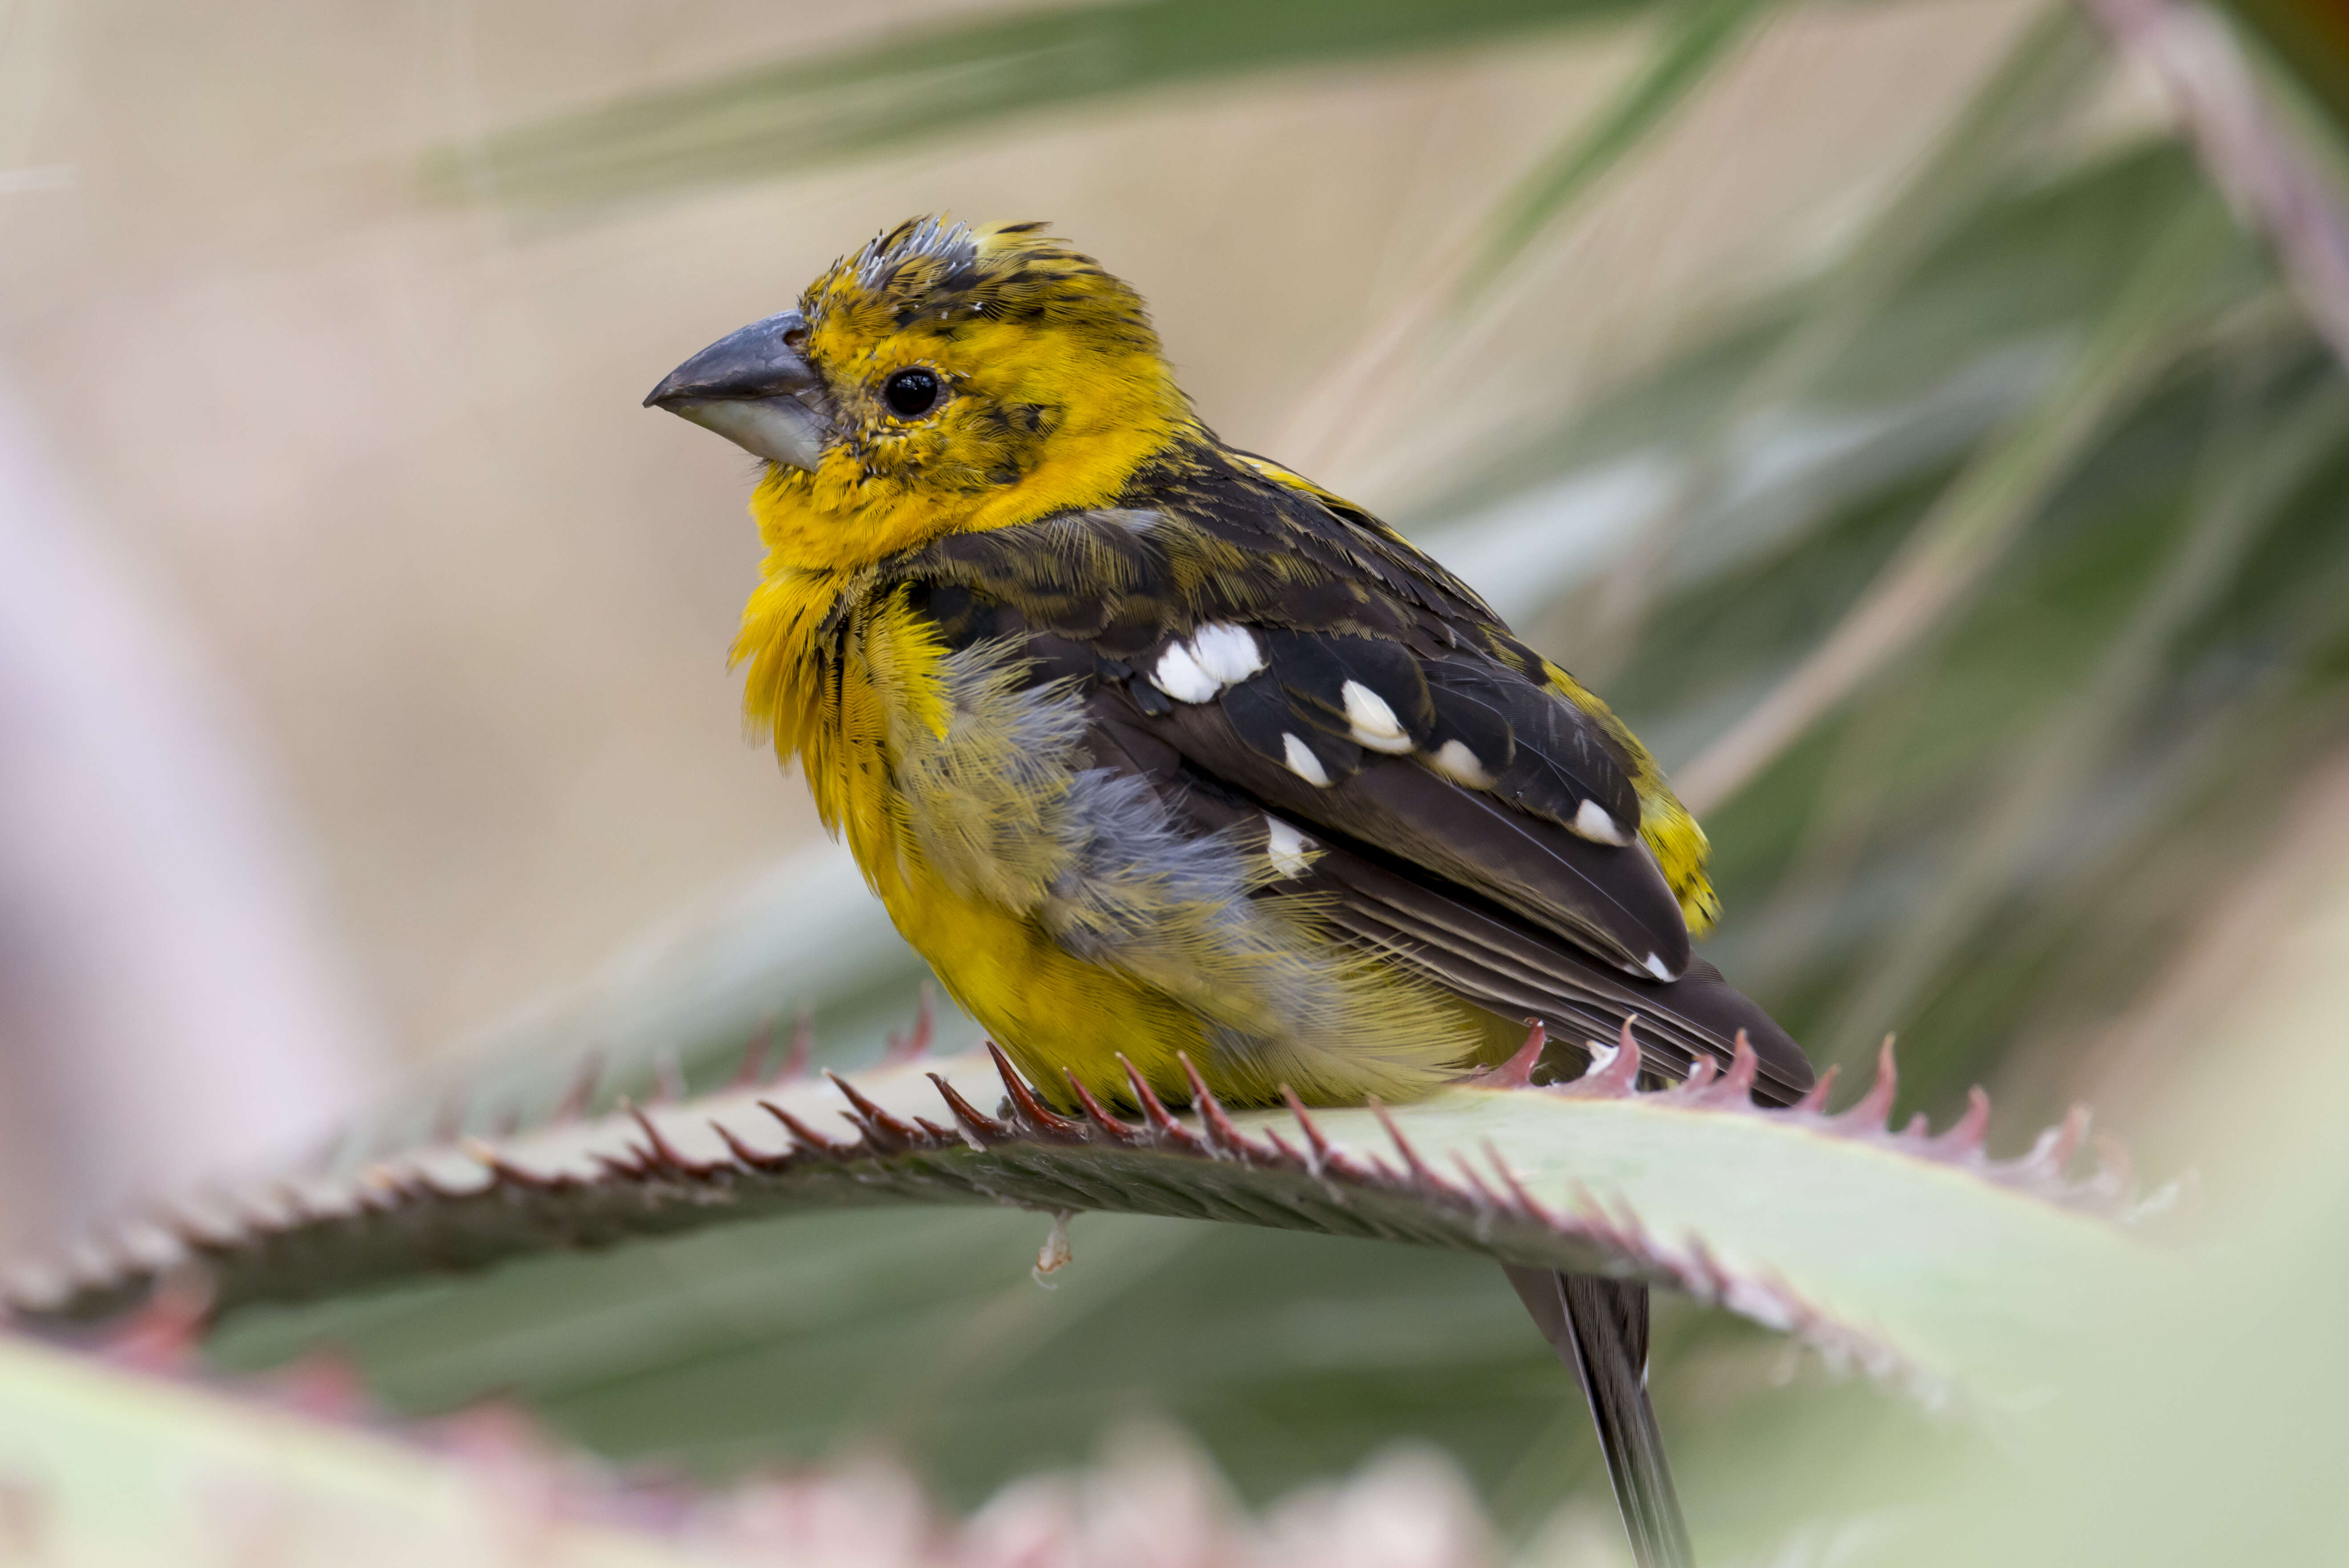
(1923, 418)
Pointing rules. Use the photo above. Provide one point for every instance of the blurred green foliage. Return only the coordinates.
(947, 80)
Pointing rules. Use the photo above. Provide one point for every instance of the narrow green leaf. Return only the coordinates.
(2038, 84)
(1697, 36)
(2247, 476)
(955, 78)
(1984, 509)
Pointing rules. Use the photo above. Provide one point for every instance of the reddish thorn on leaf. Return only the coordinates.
(2115, 1175)
(1221, 1137)
(749, 1157)
(1477, 1189)
(1745, 1064)
(1617, 1075)
(1277, 1151)
(2050, 1158)
(1522, 1200)
(1966, 1134)
(1873, 1110)
(1162, 1126)
(1417, 1167)
(324, 1384)
(1518, 1071)
(506, 1172)
(977, 1123)
(624, 1167)
(1702, 1071)
(1030, 1114)
(884, 1130)
(1323, 1155)
(1119, 1131)
(669, 1077)
(753, 1069)
(1919, 1125)
(910, 1046)
(660, 1151)
(1700, 1274)
(806, 1137)
(1815, 1098)
(579, 1093)
(802, 1049)
(164, 1332)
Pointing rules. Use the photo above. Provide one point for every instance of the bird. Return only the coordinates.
(1162, 754)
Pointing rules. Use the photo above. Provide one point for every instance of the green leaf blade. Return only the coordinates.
(956, 78)
(1919, 1261)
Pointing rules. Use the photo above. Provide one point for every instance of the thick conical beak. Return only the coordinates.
(754, 388)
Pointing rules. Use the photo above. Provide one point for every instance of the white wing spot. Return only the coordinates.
(1293, 853)
(1302, 762)
(1228, 653)
(1455, 762)
(1655, 966)
(1602, 1056)
(1374, 723)
(1179, 676)
(1591, 821)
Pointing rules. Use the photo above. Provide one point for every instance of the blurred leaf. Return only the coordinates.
(105, 1466)
(1697, 35)
(920, 1330)
(1984, 508)
(2311, 37)
(2245, 478)
(957, 78)
(2036, 89)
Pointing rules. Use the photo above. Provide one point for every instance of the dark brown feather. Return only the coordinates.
(1485, 891)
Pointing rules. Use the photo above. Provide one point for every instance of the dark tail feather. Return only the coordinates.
(1600, 1328)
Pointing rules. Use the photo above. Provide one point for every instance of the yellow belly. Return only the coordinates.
(1059, 1015)
(1054, 1013)
(1074, 949)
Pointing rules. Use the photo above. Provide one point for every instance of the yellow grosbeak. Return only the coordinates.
(1151, 746)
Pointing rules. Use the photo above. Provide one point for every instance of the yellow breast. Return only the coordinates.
(960, 789)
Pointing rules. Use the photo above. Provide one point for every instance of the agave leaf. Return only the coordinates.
(1913, 1256)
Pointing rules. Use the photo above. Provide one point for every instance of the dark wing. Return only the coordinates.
(1306, 683)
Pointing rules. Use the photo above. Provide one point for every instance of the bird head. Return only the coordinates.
(944, 378)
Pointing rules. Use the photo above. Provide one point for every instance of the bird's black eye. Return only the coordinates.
(910, 394)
